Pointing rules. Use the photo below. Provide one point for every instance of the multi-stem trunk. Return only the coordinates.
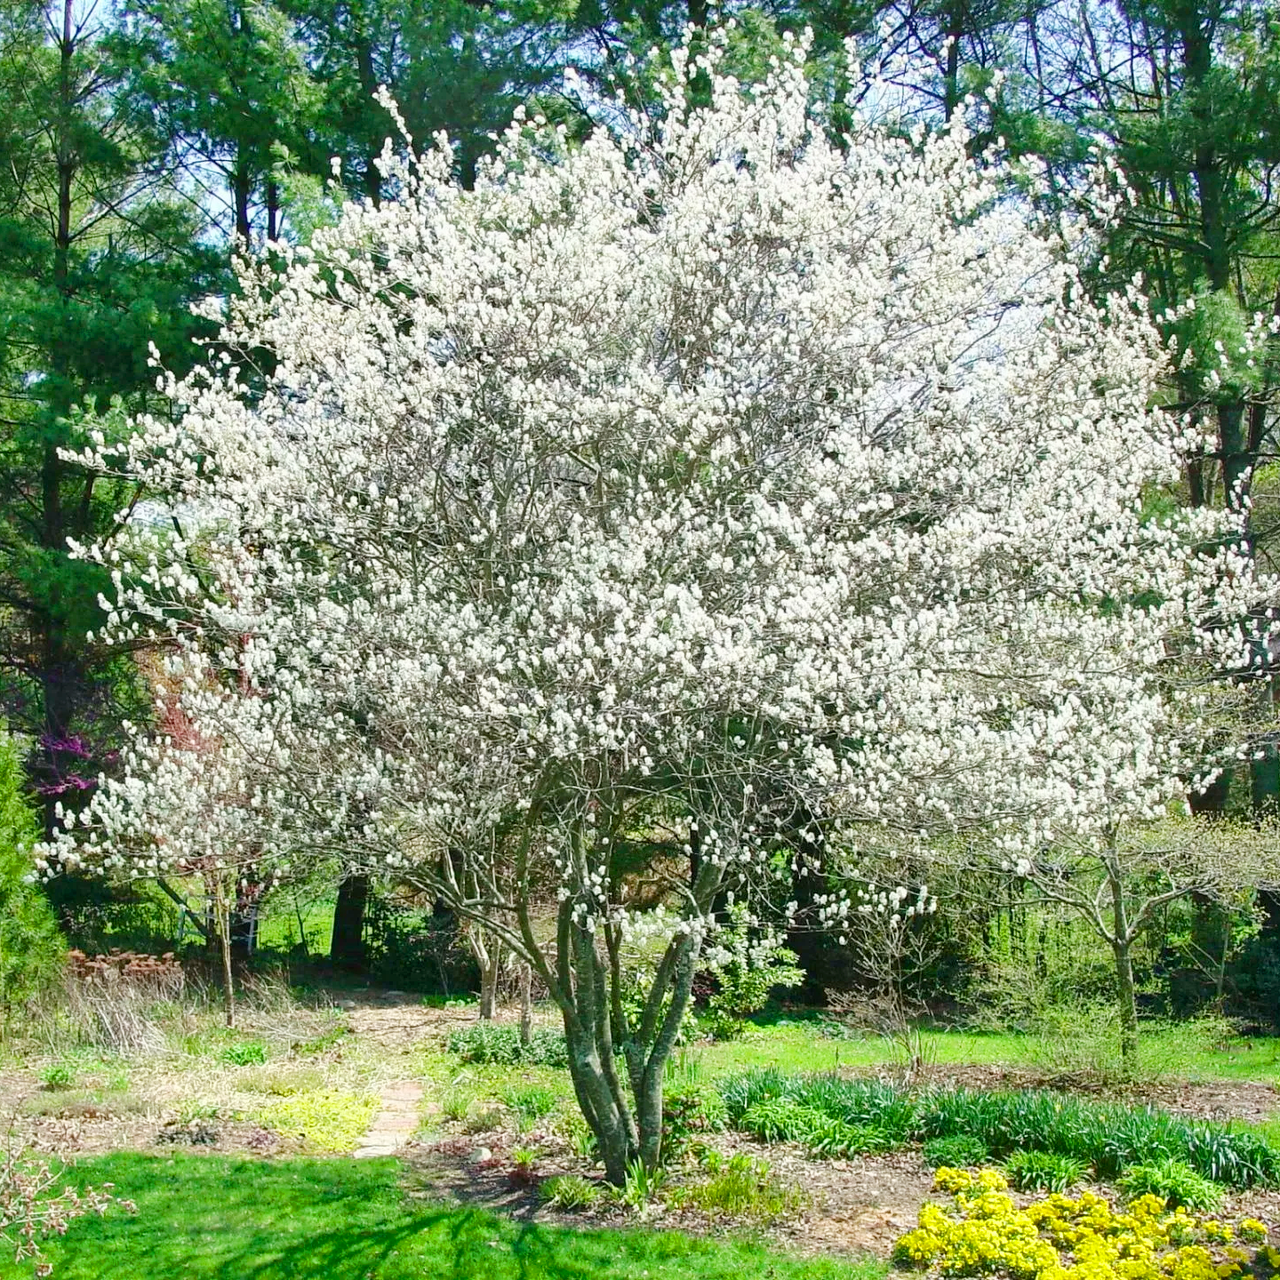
(617, 1068)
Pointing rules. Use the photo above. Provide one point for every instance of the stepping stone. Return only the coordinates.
(395, 1123)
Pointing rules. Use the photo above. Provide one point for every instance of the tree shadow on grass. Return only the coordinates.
(210, 1218)
(460, 1244)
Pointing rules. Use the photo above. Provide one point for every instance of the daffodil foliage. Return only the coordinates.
(579, 545)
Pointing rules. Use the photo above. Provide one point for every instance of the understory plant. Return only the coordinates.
(1175, 1182)
(570, 1192)
(502, 1045)
(1044, 1171)
(739, 1187)
(36, 1203)
(1105, 1137)
(32, 950)
(959, 1150)
(745, 965)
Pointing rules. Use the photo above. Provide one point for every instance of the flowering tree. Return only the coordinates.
(575, 544)
(1119, 880)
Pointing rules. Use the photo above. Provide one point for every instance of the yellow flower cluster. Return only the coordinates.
(982, 1232)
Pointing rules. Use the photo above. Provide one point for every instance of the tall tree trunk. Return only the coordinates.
(347, 946)
(57, 675)
(368, 87)
(241, 189)
(273, 210)
(1122, 949)
(951, 74)
(1126, 1003)
(222, 928)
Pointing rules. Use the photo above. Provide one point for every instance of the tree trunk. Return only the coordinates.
(1122, 939)
(951, 74)
(241, 188)
(56, 663)
(490, 969)
(346, 947)
(592, 1063)
(1127, 1004)
(222, 926)
(526, 1003)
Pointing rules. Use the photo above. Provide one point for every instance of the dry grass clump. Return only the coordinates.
(110, 1000)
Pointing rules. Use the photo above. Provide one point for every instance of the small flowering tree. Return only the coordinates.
(574, 545)
(1119, 880)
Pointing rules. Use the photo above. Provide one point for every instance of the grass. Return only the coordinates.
(798, 1044)
(212, 1218)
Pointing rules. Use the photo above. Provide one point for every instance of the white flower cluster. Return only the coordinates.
(680, 492)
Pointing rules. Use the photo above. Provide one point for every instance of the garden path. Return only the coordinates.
(395, 1123)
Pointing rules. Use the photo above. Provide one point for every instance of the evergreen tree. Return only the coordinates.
(99, 254)
(31, 948)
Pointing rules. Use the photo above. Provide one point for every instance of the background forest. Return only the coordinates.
(143, 143)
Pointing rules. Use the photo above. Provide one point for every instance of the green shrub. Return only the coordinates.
(1044, 1171)
(745, 973)
(490, 1042)
(582, 1142)
(1108, 1136)
(433, 1000)
(959, 1151)
(248, 1053)
(570, 1192)
(524, 1161)
(455, 1103)
(873, 1104)
(838, 1139)
(32, 950)
(642, 1185)
(1234, 1157)
(1175, 1182)
(779, 1120)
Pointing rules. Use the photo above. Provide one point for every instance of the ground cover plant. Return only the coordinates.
(501, 1043)
(1108, 1138)
(738, 1188)
(982, 1232)
(334, 1220)
(324, 1120)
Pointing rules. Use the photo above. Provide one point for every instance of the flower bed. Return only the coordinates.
(982, 1232)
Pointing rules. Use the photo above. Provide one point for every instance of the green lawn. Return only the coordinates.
(212, 1218)
(1173, 1052)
